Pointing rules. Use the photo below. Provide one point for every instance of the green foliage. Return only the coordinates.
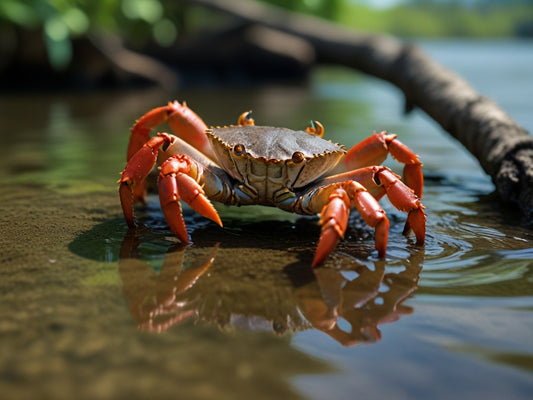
(58, 20)
(62, 20)
(328, 9)
(422, 18)
(161, 20)
(433, 18)
(362, 17)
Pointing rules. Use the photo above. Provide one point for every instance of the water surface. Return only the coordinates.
(90, 310)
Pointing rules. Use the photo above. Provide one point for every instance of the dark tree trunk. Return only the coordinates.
(504, 149)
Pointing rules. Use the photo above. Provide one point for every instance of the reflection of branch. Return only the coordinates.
(503, 148)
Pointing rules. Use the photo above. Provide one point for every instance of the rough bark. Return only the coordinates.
(504, 149)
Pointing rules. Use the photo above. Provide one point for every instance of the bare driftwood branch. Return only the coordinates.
(504, 149)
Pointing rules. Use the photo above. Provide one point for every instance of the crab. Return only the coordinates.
(296, 171)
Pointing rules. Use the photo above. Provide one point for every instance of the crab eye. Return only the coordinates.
(239, 150)
(246, 119)
(297, 157)
(315, 128)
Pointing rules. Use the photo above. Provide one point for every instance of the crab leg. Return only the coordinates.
(180, 179)
(380, 181)
(334, 218)
(361, 189)
(181, 119)
(132, 187)
(404, 199)
(373, 151)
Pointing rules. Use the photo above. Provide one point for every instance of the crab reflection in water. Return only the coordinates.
(346, 299)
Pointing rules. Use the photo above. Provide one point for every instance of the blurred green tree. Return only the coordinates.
(62, 20)
(163, 20)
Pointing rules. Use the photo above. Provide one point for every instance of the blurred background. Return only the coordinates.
(88, 44)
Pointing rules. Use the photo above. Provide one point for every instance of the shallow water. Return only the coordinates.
(92, 311)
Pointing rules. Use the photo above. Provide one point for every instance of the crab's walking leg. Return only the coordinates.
(373, 151)
(334, 218)
(181, 119)
(404, 199)
(362, 188)
(132, 188)
(180, 179)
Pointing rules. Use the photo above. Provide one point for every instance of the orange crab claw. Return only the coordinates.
(181, 119)
(178, 181)
(190, 127)
(132, 182)
(140, 133)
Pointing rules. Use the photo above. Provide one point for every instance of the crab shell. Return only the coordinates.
(295, 157)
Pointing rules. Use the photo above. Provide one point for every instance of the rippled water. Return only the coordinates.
(94, 311)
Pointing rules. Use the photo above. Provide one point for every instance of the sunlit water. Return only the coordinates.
(92, 311)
